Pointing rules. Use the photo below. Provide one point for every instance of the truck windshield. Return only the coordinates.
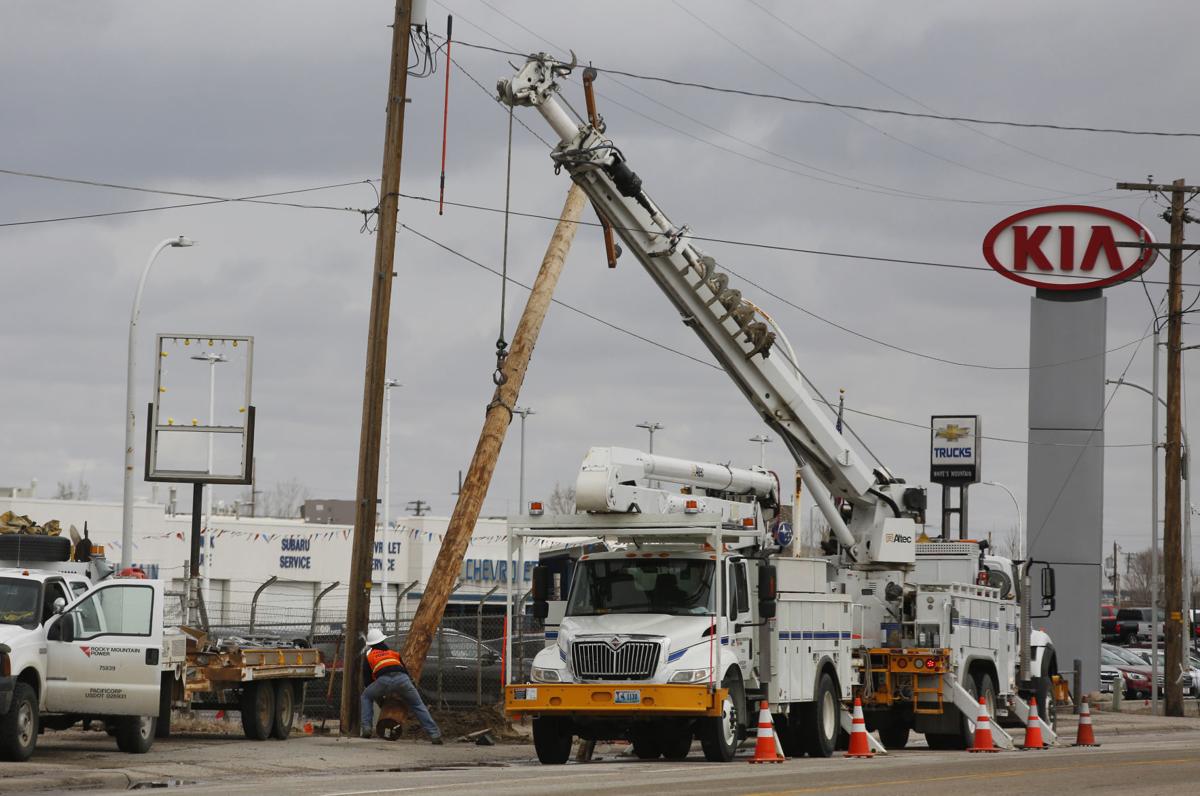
(680, 586)
(19, 600)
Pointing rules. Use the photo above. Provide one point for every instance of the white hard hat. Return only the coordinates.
(374, 636)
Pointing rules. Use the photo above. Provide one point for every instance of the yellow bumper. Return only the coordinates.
(591, 699)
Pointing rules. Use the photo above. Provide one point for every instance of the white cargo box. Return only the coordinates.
(806, 575)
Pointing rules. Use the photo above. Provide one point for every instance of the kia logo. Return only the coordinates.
(1068, 247)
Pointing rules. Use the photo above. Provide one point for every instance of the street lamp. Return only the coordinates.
(1020, 522)
(388, 384)
(130, 416)
(1187, 532)
(213, 359)
(651, 426)
(524, 412)
(762, 440)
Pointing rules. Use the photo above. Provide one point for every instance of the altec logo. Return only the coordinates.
(1068, 247)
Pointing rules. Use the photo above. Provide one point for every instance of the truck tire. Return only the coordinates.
(163, 728)
(894, 733)
(1043, 688)
(135, 734)
(646, 741)
(819, 723)
(676, 739)
(19, 726)
(979, 684)
(552, 740)
(34, 547)
(1129, 639)
(285, 709)
(719, 734)
(258, 710)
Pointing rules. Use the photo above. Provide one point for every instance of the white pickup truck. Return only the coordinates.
(77, 645)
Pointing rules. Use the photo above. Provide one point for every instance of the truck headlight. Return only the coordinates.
(690, 676)
(541, 675)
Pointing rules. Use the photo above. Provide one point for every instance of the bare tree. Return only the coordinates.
(283, 499)
(562, 499)
(80, 490)
(1135, 586)
(1008, 543)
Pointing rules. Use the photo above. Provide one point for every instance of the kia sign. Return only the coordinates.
(1068, 247)
(954, 450)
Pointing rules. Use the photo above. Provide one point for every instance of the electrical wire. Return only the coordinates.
(880, 81)
(650, 341)
(864, 108)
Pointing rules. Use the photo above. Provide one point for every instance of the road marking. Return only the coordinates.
(623, 770)
(984, 775)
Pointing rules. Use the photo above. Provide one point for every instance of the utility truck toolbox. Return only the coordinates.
(642, 699)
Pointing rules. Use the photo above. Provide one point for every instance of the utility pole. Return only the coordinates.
(358, 603)
(1172, 498)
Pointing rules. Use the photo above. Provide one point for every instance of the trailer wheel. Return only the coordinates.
(19, 726)
(818, 727)
(285, 710)
(258, 710)
(719, 734)
(552, 740)
(135, 734)
(647, 741)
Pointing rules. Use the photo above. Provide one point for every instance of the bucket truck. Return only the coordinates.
(690, 614)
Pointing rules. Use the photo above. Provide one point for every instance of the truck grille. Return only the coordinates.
(633, 660)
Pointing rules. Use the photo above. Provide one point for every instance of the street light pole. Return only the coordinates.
(388, 384)
(1020, 522)
(651, 426)
(213, 359)
(524, 412)
(130, 415)
(762, 440)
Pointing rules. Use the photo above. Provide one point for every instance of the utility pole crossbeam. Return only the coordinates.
(1172, 498)
(358, 604)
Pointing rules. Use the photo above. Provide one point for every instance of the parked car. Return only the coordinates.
(1135, 675)
(1134, 625)
(1108, 623)
(1190, 686)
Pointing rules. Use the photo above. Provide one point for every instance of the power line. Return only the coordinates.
(865, 108)
(758, 245)
(643, 338)
(880, 81)
(861, 185)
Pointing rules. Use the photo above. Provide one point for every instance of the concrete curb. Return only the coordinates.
(107, 779)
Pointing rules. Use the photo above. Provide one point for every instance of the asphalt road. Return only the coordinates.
(1139, 755)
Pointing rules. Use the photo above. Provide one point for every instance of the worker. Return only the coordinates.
(385, 674)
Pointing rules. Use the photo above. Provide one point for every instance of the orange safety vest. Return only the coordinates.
(379, 660)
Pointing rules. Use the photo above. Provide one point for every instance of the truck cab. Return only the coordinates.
(70, 650)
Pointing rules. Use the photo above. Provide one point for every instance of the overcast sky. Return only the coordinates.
(235, 99)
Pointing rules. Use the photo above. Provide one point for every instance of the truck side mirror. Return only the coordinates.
(766, 592)
(543, 581)
(1048, 601)
(61, 630)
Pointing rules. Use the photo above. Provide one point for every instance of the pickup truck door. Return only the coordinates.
(103, 651)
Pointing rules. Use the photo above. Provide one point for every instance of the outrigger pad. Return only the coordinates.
(388, 729)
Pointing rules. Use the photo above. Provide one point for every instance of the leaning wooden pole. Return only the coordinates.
(487, 451)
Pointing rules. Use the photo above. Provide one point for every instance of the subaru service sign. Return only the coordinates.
(954, 449)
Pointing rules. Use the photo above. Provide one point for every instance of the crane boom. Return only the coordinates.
(740, 336)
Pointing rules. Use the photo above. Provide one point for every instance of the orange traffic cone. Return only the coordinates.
(983, 731)
(1085, 736)
(765, 748)
(859, 745)
(1033, 729)
(308, 728)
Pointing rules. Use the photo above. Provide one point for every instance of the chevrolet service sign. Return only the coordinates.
(954, 449)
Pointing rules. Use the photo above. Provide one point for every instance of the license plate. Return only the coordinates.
(628, 698)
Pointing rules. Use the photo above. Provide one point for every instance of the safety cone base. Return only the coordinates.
(993, 749)
(1086, 744)
(774, 760)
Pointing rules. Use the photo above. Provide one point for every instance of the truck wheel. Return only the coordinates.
(676, 739)
(19, 727)
(135, 734)
(1047, 709)
(285, 710)
(819, 719)
(1129, 639)
(163, 728)
(952, 741)
(552, 740)
(646, 740)
(979, 684)
(719, 734)
(258, 710)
